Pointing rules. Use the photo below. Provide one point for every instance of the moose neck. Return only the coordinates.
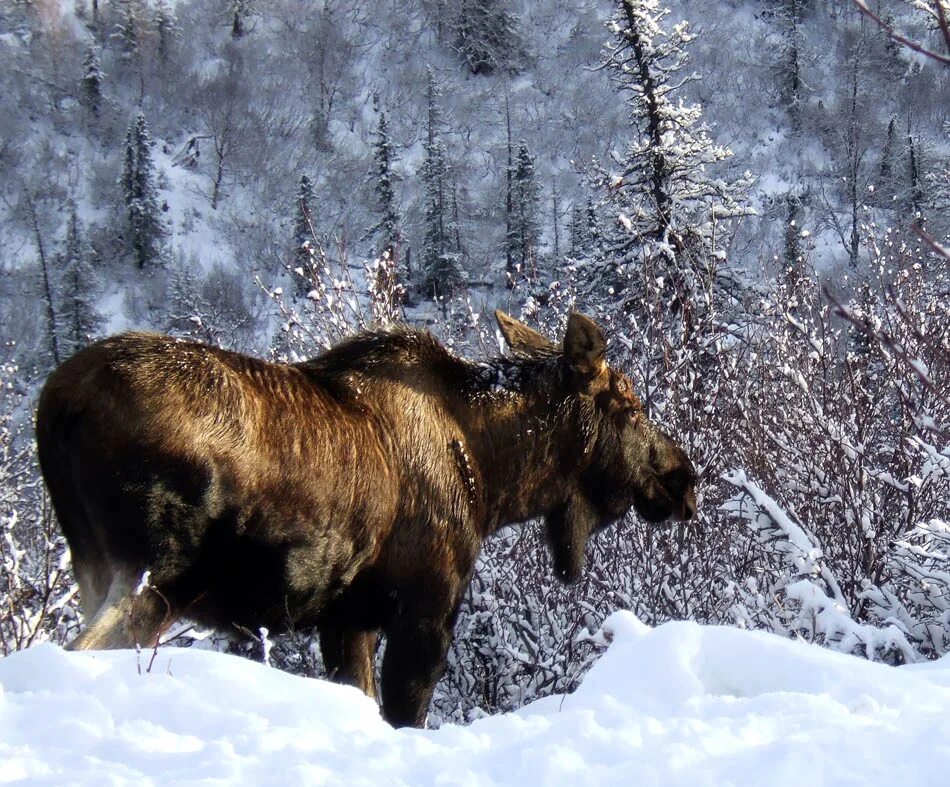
(526, 439)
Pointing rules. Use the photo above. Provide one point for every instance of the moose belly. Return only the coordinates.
(273, 572)
(272, 556)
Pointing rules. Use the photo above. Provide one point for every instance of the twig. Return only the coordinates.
(889, 342)
(158, 634)
(931, 242)
(908, 42)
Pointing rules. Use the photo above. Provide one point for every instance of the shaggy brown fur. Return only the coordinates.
(351, 492)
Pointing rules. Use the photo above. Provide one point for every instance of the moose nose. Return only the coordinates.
(689, 505)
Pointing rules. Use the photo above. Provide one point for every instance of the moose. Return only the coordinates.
(350, 493)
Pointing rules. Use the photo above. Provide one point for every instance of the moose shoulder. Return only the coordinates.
(351, 492)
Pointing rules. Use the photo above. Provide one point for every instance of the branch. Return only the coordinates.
(941, 251)
(909, 43)
(888, 341)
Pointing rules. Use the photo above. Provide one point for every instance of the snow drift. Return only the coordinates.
(679, 704)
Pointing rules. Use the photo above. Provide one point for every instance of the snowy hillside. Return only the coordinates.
(679, 704)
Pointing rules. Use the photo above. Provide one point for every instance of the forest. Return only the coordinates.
(752, 196)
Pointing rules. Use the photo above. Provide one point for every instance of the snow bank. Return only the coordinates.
(679, 704)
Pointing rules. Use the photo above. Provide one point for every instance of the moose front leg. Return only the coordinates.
(350, 657)
(413, 664)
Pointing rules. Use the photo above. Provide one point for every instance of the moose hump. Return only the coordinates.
(350, 493)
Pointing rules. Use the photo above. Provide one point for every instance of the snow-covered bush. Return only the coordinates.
(216, 309)
(335, 301)
(37, 593)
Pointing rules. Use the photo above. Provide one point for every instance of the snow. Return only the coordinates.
(678, 704)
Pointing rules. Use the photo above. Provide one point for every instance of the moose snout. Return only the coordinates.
(688, 508)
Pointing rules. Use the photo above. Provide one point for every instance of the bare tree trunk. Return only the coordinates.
(509, 204)
(855, 155)
(916, 194)
(455, 218)
(47, 287)
(221, 152)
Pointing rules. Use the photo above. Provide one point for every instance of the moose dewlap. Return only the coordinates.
(350, 493)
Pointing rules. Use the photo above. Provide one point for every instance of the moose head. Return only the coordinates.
(625, 461)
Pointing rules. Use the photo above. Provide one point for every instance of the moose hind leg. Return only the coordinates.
(125, 619)
(350, 657)
(94, 581)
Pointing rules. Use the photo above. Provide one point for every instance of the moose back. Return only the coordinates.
(350, 493)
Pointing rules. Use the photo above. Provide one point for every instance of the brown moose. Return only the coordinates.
(351, 492)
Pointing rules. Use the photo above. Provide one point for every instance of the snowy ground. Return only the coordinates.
(679, 704)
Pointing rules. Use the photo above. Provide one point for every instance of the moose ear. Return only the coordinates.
(523, 341)
(584, 344)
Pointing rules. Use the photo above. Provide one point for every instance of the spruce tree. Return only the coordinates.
(127, 32)
(303, 214)
(794, 251)
(593, 227)
(915, 191)
(91, 82)
(163, 22)
(937, 183)
(789, 16)
(442, 270)
(304, 236)
(487, 37)
(240, 9)
(140, 197)
(887, 179)
(48, 281)
(525, 208)
(510, 234)
(79, 321)
(664, 205)
(384, 157)
(578, 231)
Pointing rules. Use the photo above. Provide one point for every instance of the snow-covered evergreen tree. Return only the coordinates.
(487, 37)
(48, 280)
(240, 10)
(523, 223)
(789, 18)
(577, 230)
(91, 81)
(127, 32)
(665, 205)
(509, 196)
(388, 229)
(442, 273)
(140, 196)
(303, 213)
(887, 185)
(165, 27)
(938, 185)
(594, 236)
(915, 185)
(794, 265)
(79, 321)
(304, 236)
